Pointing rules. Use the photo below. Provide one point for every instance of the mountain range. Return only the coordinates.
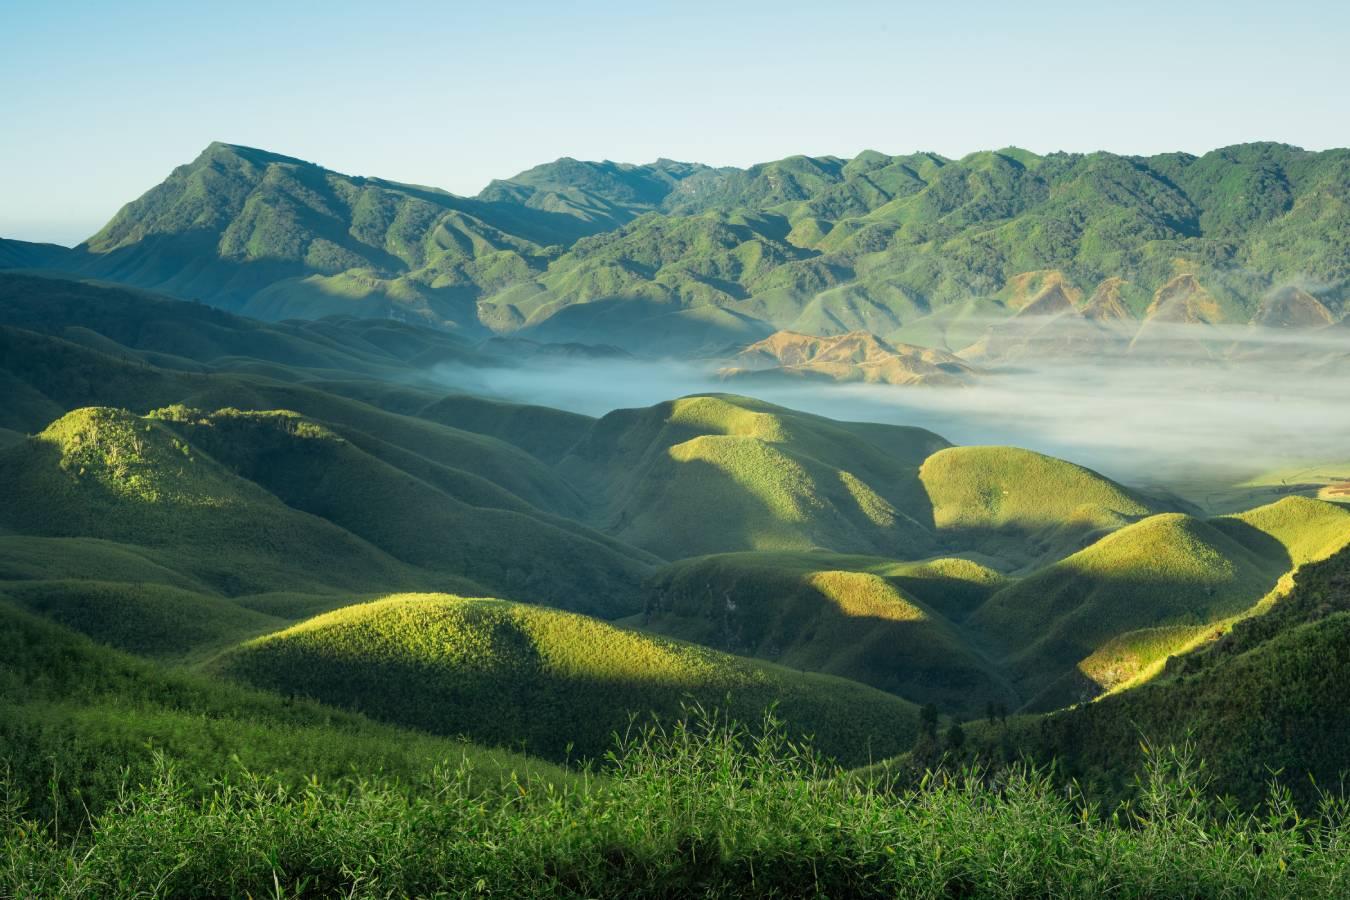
(674, 257)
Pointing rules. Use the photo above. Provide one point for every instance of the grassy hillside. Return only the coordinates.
(95, 718)
(1267, 697)
(556, 683)
(173, 334)
(277, 237)
(409, 515)
(105, 473)
(875, 621)
(716, 473)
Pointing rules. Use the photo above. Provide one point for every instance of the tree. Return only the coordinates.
(956, 737)
(928, 719)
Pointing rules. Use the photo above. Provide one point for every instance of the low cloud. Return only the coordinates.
(1240, 402)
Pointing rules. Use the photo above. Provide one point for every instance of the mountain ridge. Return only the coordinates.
(822, 245)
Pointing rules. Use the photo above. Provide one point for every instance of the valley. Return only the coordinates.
(858, 463)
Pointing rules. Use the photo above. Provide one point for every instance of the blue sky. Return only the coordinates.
(100, 100)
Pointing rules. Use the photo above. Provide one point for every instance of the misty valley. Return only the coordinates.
(884, 526)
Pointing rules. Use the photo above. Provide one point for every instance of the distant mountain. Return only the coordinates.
(673, 257)
(605, 195)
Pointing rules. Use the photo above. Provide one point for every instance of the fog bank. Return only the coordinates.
(1263, 400)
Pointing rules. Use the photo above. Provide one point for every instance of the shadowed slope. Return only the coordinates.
(105, 473)
(871, 620)
(1107, 616)
(1267, 697)
(408, 514)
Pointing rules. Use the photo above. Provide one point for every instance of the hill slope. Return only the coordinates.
(560, 684)
(875, 621)
(95, 718)
(1267, 697)
(1023, 505)
(1104, 616)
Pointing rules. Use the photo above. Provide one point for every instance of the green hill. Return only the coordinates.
(871, 620)
(1113, 612)
(275, 236)
(716, 473)
(556, 683)
(172, 334)
(1023, 505)
(105, 473)
(411, 515)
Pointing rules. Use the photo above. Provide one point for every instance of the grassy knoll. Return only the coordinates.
(867, 619)
(146, 619)
(1022, 504)
(558, 684)
(1165, 570)
(696, 810)
(716, 473)
(105, 473)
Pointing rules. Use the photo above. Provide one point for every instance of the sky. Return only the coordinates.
(100, 100)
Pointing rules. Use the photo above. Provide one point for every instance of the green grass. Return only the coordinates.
(95, 717)
(104, 473)
(421, 520)
(905, 246)
(558, 684)
(695, 810)
(861, 618)
(145, 619)
(1110, 614)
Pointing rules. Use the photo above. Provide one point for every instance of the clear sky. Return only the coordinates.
(99, 100)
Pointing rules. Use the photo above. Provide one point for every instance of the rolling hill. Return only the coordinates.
(1022, 505)
(1110, 614)
(97, 717)
(714, 473)
(558, 684)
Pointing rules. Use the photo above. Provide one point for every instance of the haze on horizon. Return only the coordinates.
(110, 99)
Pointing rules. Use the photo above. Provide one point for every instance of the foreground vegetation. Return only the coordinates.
(701, 809)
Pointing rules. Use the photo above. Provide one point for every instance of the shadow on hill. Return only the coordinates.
(704, 509)
(1097, 630)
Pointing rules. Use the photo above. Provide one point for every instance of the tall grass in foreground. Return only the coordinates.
(697, 809)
